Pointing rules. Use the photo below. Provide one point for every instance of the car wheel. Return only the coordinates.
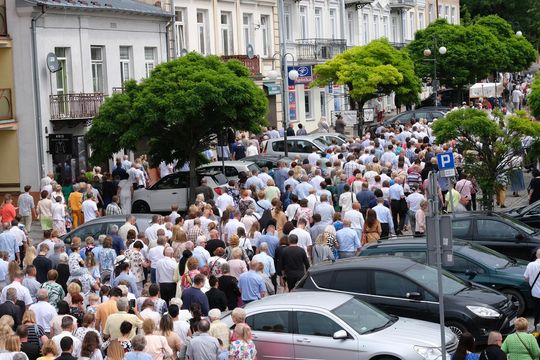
(140, 207)
(456, 327)
(516, 298)
(385, 358)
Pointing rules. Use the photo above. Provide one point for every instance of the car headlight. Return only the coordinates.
(429, 353)
(484, 312)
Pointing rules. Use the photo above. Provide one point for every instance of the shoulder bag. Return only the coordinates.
(525, 346)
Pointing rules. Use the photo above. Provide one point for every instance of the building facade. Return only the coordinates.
(69, 57)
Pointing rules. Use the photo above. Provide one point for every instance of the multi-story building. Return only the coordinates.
(9, 148)
(68, 56)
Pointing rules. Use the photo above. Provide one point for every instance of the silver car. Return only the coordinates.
(315, 325)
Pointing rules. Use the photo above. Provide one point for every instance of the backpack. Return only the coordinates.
(243, 206)
(266, 219)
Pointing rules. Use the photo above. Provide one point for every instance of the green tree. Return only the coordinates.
(370, 70)
(487, 149)
(177, 111)
(533, 100)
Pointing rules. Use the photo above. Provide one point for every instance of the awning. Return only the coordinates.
(272, 88)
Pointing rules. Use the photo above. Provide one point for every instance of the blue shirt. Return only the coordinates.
(348, 239)
(395, 192)
(384, 215)
(136, 355)
(194, 295)
(8, 243)
(118, 244)
(251, 286)
(131, 281)
(271, 240)
(280, 176)
(302, 190)
(366, 199)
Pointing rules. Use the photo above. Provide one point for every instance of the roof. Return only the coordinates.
(329, 301)
(124, 6)
(368, 262)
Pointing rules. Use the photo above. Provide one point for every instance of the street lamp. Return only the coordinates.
(519, 33)
(427, 53)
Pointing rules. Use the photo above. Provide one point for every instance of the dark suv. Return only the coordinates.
(407, 288)
(472, 262)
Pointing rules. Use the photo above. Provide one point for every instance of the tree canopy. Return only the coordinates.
(474, 51)
(488, 147)
(533, 100)
(370, 70)
(178, 110)
(523, 15)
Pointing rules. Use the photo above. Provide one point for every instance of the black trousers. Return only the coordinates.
(399, 212)
(292, 279)
(167, 291)
(385, 230)
(536, 307)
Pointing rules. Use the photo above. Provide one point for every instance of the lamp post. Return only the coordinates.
(427, 53)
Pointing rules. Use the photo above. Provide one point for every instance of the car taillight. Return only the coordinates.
(218, 190)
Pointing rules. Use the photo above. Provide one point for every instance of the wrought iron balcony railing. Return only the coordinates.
(75, 106)
(319, 49)
(253, 64)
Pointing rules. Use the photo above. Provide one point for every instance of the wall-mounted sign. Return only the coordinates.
(305, 74)
(60, 144)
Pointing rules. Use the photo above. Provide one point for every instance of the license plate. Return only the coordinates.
(512, 322)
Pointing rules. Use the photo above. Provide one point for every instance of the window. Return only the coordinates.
(461, 265)
(412, 25)
(386, 33)
(247, 27)
(440, 14)
(460, 229)
(202, 33)
(315, 324)
(125, 63)
(173, 181)
(96, 55)
(303, 22)
(453, 16)
(495, 230)
(323, 279)
(447, 12)
(318, 23)
(288, 25)
(376, 33)
(333, 23)
(388, 284)
(302, 146)
(265, 32)
(366, 28)
(431, 15)
(149, 60)
(226, 33)
(62, 77)
(322, 95)
(418, 256)
(180, 30)
(272, 321)
(395, 29)
(90, 230)
(421, 24)
(352, 281)
(307, 104)
(350, 26)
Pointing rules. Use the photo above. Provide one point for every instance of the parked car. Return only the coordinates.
(232, 167)
(471, 262)
(407, 288)
(311, 325)
(448, 97)
(327, 138)
(173, 189)
(102, 225)
(268, 160)
(405, 117)
(297, 146)
(499, 232)
(529, 214)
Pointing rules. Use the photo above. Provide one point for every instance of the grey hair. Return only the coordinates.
(11, 294)
(263, 246)
(138, 343)
(122, 304)
(114, 228)
(76, 187)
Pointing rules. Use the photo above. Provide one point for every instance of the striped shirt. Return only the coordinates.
(113, 209)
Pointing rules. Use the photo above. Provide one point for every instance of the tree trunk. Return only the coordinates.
(193, 181)
(487, 198)
(360, 117)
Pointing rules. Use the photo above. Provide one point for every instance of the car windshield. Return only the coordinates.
(485, 256)
(254, 166)
(220, 179)
(324, 141)
(362, 317)
(426, 276)
(521, 226)
(320, 144)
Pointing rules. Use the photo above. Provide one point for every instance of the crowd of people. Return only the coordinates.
(158, 291)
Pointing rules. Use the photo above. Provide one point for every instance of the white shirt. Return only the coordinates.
(291, 211)
(45, 312)
(89, 209)
(223, 201)
(304, 239)
(356, 218)
(151, 232)
(252, 150)
(346, 200)
(50, 244)
(122, 232)
(3, 270)
(181, 327)
(23, 294)
(533, 268)
(165, 270)
(150, 313)
(316, 182)
(58, 211)
(76, 342)
(19, 234)
(155, 254)
(313, 157)
(232, 226)
(414, 200)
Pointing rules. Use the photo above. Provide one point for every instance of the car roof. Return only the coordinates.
(368, 262)
(329, 301)
(407, 242)
(229, 163)
(104, 219)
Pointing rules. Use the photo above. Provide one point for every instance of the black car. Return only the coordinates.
(499, 232)
(267, 160)
(405, 117)
(472, 262)
(529, 214)
(407, 288)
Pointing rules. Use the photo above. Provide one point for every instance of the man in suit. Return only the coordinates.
(10, 308)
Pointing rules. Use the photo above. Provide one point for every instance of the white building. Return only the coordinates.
(99, 44)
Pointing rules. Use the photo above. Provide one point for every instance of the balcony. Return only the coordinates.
(6, 108)
(358, 3)
(402, 4)
(399, 45)
(75, 106)
(253, 64)
(3, 19)
(319, 49)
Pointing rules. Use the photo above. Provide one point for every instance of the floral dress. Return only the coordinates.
(106, 261)
(56, 292)
(136, 262)
(242, 350)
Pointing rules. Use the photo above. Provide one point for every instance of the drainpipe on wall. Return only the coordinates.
(343, 20)
(37, 96)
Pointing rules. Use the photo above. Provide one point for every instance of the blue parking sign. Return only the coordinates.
(445, 162)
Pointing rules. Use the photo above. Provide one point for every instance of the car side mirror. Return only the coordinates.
(519, 237)
(471, 273)
(414, 296)
(340, 335)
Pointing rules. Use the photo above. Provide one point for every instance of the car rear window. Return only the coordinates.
(322, 279)
(220, 179)
(254, 167)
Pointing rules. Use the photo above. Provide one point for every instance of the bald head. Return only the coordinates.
(495, 338)
(42, 295)
(168, 252)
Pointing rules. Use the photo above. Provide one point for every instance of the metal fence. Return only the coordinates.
(319, 49)
(75, 106)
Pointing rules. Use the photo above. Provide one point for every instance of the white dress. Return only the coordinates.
(125, 196)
